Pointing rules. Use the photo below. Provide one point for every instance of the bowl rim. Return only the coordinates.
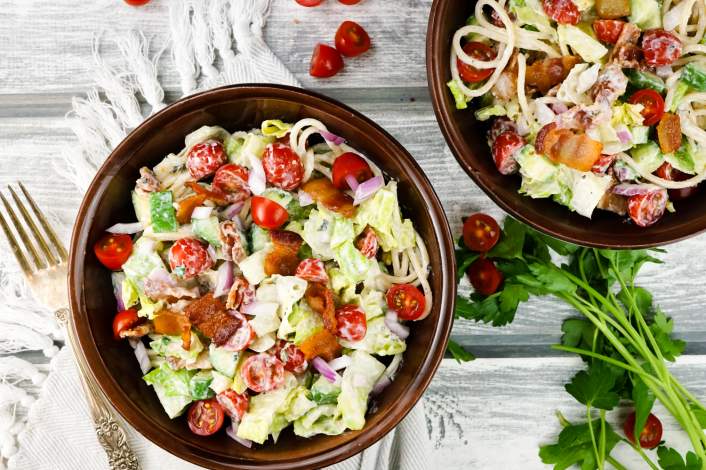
(177, 444)
(435, 66)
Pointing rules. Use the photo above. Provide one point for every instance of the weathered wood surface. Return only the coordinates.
(492, 413)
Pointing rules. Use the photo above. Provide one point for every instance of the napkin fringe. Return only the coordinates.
(200, 29)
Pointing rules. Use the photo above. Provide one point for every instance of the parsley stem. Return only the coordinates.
(599, 461)
(602, 443)
(609, 360)
(644, 456)
(615, 463)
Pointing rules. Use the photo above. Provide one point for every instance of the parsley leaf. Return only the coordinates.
(669, 459)
(662, 327)
(574, 446)
(558, 246)
(577, 332)
(643, 300)
(552, 279)
(498, 309)
(511, 242)
(644, 399)
(459, 352)
(594, 387)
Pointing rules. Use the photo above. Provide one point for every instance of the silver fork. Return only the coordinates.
(45, 271)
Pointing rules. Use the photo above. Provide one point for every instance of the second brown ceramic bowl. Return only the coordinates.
(466, 138)
(107, 201)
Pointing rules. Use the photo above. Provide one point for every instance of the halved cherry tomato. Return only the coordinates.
(191, 256)
(646, 209)
(137, 3)
(651, 434)
(325, 62)
(500, 126)
(267, 213)
(608, 31)
(349, 2)
(231, 178)
(668, 172)
(367, 243)
(205, 417)
(291, 356)
(480, 232)
(652, 103)
(312, 270)
(351, 323)
(205, 158)
(309, 3)
(124, 321)
(504, 149)
(406, 300)
(349, 164)
(112, 250)
(479, 51)
(283, 168)
(262, 372)
(660, 47)
(562, 11)
(234, 404)
(351, 39)
(484, 276)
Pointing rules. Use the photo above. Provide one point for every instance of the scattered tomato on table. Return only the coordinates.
(309, 3)
(137, 3)
(351, 39)
(325, 61)
(651, 434)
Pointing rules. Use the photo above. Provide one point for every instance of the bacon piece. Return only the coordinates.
(241, 293)
(626, 53)
(367, 242)
(216, 196)
(232, 241)
(148, 182)
(210, 316)
(669, 133)
(610, 85)
(324, 192)
(322, 344)
(186, 207)
(283, 259)
(320, 299)
(172, 324)
(137, 331)
(545, 73)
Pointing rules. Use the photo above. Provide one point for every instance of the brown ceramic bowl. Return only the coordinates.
(466, 138)
(107, 201)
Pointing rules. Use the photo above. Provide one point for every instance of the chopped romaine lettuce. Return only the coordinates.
(646, 14)
(539, 174)
(265, 322)
(207, 229)
(171, 346)
(275, 128)
(220, 382)
(318, 230)
(281, 197)
(356, 385)
(290, 289)
(382, 213)
(141, 202)
(354, 265)
(259, 238)
(324, 392)
(682, 158)
(199, 385)
(162, 212)
(172, 388)
(304, 321)
(581, 43)
(253, 267)
(483, 114)
(342, 232)
(694, 75)
(648, 156)
(585, 188)
(574, 88)
(643, 79)
(263, 343)
(297, 404)
(233, 144)
(627, 114)
(128, 293)
(257, 423)
(680, 92)
(378, 340)
(460, 99)
(324, 419)
(143, 260)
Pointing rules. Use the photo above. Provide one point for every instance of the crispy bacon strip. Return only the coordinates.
(211, 317)
(215, 196)
(546, 73)
(324, 192)
(669, 133)
(320, 299)
(232, 241)
(173, 324)
(283, 259)
(322, 344)
(626, 53)
(186, 207)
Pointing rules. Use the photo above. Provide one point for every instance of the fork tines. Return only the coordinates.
(43, 247)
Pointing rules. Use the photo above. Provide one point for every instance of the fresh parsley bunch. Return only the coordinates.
(624, 339)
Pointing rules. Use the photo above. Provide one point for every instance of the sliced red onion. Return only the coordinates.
(393, 323)
(212, 253)
(332, 138)
(224, 279)
(325, 370)
(118, 279)
(128, 229)
(233, 210)
(305, 198)
(625, 189)
(340, 363)
(256, 179)
(559, 108)
(380, 385)
(367, 188)
(201, 212)
(352, 182)
(232, 432)
(142, 358)
(624, 135)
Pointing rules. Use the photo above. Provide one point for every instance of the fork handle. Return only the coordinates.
(111, 436)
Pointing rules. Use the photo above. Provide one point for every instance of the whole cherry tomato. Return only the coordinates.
(349, 164)
(351, 323)
(267, 213)
(407, 301)
(351, 39)
(652, 105)
(283, 168)
(124, 321)
(262, 372)
(112, 250)
(651, 434)
(480, 232)
(484, 276)
(205, 417)
(205, 158)
(325, 62)
(479, 51)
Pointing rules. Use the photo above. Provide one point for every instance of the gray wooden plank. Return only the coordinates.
(28, 146)
(46, 45)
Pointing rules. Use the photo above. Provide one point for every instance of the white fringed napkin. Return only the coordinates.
(56, 431)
